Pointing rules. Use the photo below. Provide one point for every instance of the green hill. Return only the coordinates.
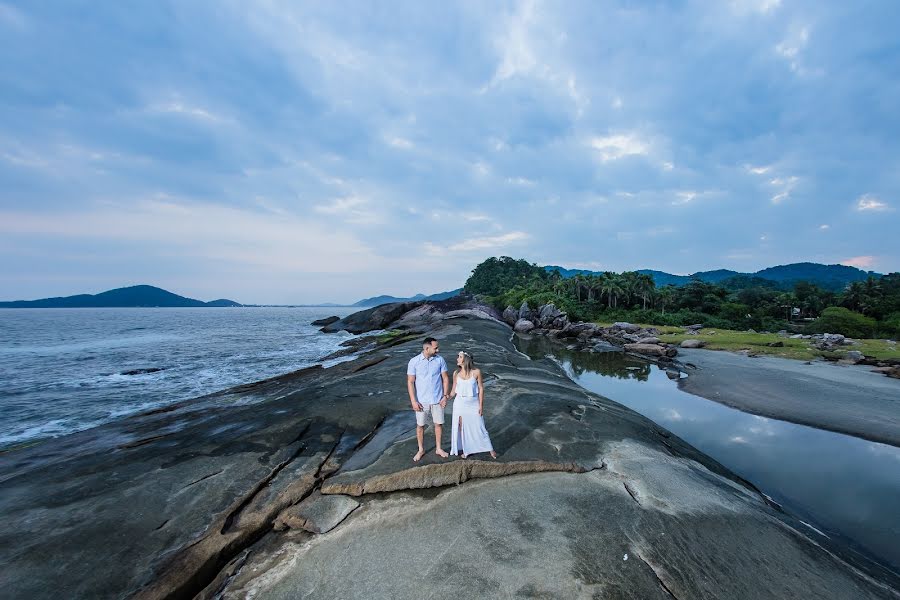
(134, 296)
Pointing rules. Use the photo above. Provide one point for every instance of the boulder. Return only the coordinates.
(547, 314)
(797, 336)
(782, 332)
(559, 323)
(510, 315)
(695, 326)
(604, 346)
(523, 326)
(778, 344)
(525, 312)
(579, 330)
(372, 319)
(648, 340)
(651, 350)
(894, 372)
(625, 326)
(326, 321)
(692, 343)
(833, 338)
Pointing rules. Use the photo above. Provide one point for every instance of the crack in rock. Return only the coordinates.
(632, 492)
(659, 579)
(191, 569)
(438, 475)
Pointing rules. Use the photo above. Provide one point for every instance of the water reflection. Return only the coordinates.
(847, 487)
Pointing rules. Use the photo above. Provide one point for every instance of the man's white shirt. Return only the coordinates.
(429, 384)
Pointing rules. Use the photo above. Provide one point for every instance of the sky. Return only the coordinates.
(291, 152)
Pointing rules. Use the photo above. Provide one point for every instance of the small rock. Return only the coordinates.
(316, 514)
(778, 344)
(326, 321)
(692, 343)
(648, 340)
(797, 336)
(854, 355)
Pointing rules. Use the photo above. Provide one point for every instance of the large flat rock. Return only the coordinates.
(184, 501)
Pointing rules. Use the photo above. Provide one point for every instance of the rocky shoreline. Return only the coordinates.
(310, 491)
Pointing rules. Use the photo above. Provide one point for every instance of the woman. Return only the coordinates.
(469, 434)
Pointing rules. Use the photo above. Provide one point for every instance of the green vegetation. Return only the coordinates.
(863, 309)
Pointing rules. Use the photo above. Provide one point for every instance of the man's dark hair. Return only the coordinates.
(428, 341)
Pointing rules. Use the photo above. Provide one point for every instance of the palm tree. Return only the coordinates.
(630, 284)
(664, 297)
(644, 286)
(611, 285)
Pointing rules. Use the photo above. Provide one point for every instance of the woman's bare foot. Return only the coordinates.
(441, 453)
(418, 456)
(493, 455)
(465, 456)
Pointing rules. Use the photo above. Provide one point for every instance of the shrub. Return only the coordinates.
(837, 319)
(890, 327)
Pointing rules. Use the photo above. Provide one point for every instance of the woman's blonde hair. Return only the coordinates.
(468, 363)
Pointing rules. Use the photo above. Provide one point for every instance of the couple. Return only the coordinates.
(429, 389)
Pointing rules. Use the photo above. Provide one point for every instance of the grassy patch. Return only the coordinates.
(390, 335)
(758, 343)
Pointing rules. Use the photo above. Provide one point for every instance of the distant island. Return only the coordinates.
(126, 297)
(379, 300)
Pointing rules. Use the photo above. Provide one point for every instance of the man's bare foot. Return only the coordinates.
(493, 455)
(441, 453)
(418, 456)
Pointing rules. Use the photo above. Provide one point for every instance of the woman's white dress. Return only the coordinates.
(471, 437)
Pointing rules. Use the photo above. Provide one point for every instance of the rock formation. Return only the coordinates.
(303, 486)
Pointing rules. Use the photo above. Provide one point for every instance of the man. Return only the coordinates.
(428, 385)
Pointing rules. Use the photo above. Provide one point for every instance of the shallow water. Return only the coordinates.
(845, 487)
(64, 370)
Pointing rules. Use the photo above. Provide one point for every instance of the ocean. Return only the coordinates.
(69, 369)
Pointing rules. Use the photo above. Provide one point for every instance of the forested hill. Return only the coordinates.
(134, 296)
(829, 277)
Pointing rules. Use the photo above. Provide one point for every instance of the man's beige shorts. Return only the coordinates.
(435, 412)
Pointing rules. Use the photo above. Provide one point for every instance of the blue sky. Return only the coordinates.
(286, 152)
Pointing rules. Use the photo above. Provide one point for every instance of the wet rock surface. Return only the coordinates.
(186, 501)
(847, 399)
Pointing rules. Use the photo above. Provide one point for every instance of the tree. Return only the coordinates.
(665, 296)
(644, 286)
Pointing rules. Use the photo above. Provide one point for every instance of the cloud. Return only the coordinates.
(399, 142)
(868, 202)
(755, 6)
(369, 125)
(791, 49)
(205, 231)
(785, 186)
(352, 209)
(479, 244)
(616, 146)
(860, 262)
